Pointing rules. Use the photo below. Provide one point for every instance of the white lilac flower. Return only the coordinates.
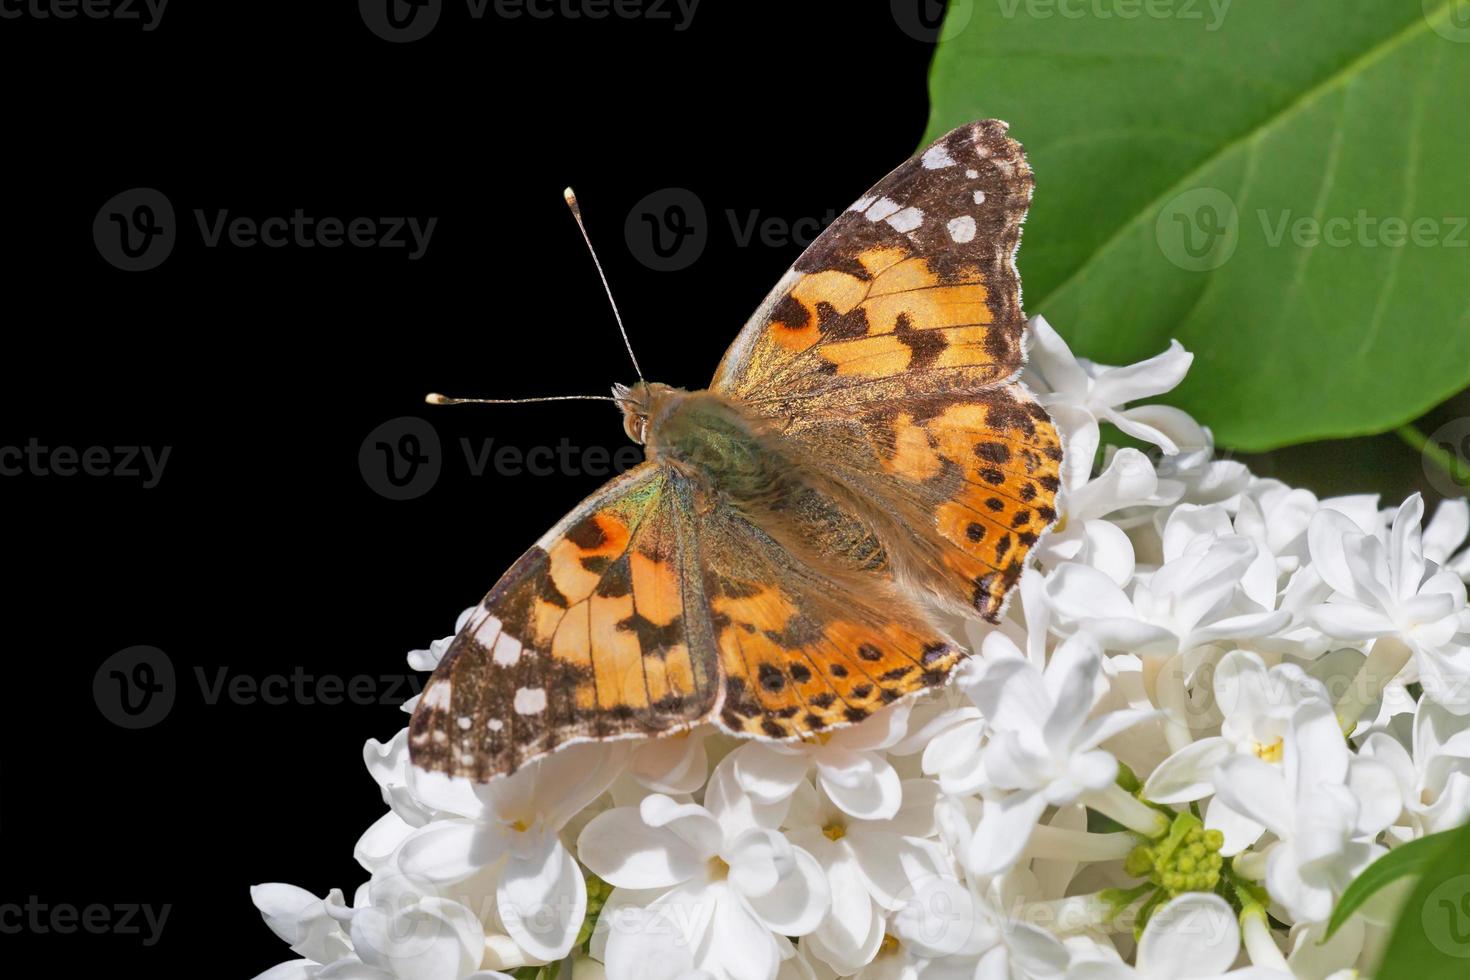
(1433, 779)
(849, 762)
(1082, 532)
(1193, 937)
(541, 894)
(1385, 591)
(870, 865)
(1324, 805)
(1246, 624)
(1080, 394)
(1195, 598)
(727, 887)
(1042, 749)
(1257, 705)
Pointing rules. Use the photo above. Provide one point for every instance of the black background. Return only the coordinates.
(263, 548)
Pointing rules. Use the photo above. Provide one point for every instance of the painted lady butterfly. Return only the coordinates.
(864, 461)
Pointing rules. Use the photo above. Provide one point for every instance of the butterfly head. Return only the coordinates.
(641, 402)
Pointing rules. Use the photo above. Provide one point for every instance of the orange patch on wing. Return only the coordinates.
(871, 357)
(656, 589)
(880, 258)
(912, 457)
(928, 309)
(903, 276)
(839, 290)
(617, 658)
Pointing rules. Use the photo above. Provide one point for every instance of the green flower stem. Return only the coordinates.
(1388, 656)
(1061, 844)
(1117, 803)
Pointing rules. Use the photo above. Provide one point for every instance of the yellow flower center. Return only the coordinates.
(718, 869)
(889, 944)
(834, 831)
(521, 826)
(1271, 752)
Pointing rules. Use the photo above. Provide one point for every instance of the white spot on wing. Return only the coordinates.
(862, 203)
(979, 197)
(507, 650)
(907, 220)
(488, 630)
(972, 173)
(937, 157)
(962, 229)
(464, 723)
(495, 724)
(882, 208)
(530, 700)
(436, 695)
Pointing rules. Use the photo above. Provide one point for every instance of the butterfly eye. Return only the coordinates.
(636, 426)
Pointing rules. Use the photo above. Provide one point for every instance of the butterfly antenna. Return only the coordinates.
(571, 200)
(438, 399)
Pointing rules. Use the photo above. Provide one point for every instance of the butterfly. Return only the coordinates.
(864, 463)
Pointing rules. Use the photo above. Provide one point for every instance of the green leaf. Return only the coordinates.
(1411, 859)
(1185, 150)
(1431, 940)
